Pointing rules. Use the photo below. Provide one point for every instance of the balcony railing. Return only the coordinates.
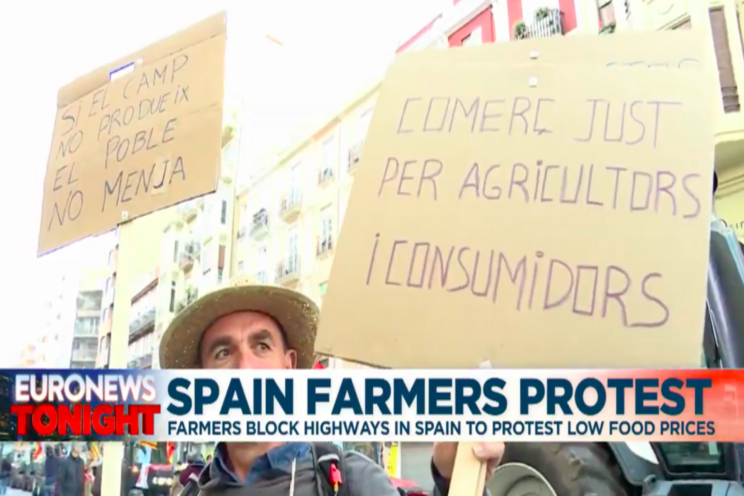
(187, 210)
(189, 253)
(325, 175)
(86, 330)
(288, 269)
(142, 322)
(191, 295)
(548, 22)
(324, 245)
(83, 356)
(289, 207)
(260, 224)
(355, 155)
(143, 362)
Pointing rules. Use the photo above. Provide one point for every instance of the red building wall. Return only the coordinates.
(484, 20)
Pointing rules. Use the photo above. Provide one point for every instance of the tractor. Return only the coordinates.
(650, 469)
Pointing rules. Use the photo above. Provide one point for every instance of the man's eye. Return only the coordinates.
(221, 353)
(263, 346)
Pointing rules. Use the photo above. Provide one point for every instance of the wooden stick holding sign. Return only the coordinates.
(469, 473)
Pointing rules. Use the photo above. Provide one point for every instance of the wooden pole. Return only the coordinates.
(113, 452)
(469, 473)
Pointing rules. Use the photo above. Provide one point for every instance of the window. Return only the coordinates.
(175, 251)
(219, 276)
(329, 159)
(292, 251)
(172, 302)
(261, 264)
(223, 213)
(326, 224)
(240, 267)
(606, 13)
(474, 38)
(295, 181)
(322, 291)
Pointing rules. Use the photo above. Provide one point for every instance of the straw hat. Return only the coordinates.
(295, 313)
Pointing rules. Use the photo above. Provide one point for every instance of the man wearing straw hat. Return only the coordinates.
(248, 326)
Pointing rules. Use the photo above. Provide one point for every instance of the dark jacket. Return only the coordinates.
(51, 469)
(274, 473)
(5, 469)
(97, 474)
(192, 470)
(71, 478)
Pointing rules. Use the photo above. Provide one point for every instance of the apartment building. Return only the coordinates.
(142, 322)
(87, 321)
(288, 217)
(149, 229)
(195, 246)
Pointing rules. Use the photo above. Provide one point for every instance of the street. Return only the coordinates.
(17, 492)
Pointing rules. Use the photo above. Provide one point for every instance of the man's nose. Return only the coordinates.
(246, 359)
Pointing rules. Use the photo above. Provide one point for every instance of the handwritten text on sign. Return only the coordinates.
(544, 212)
(142, 142)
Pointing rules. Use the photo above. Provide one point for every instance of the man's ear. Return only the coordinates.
(290, 359)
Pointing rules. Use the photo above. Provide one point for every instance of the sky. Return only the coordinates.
(46, 44)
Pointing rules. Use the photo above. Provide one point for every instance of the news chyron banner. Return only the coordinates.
(373, 405)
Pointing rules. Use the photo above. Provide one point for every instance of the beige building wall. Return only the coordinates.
(288, 219)
(149, 229)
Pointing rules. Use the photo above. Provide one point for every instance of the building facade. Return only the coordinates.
(87, 321)
(196, 244)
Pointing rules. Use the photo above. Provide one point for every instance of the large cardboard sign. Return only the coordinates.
(136, 143)
(543, 214)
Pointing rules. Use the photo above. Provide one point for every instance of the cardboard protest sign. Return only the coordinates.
(544, 215)
(136, 143)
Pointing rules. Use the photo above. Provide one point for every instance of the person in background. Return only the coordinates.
(6, 468)
(71, 475)
(96, 489)
(247, 326)
(209, 458)
(51, 469)
(196, 464)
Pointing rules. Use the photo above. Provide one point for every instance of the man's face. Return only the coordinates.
(75, 451)
(245, 340)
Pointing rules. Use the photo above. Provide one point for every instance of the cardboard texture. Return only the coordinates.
(124, 147)
(501, 228)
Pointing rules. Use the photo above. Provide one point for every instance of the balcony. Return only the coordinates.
(325, 176)
(355, 155)
(324, 246)
(142, 324)
(290, 205)
(84, 356)
(143, 362)
(187, 256)
(187, 211)
(260, 224)
(548, 22)
(191, 295)
(288, 270)
(87, 328)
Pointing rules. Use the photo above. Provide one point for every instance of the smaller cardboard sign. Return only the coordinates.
(533, 216)
(135, 136)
